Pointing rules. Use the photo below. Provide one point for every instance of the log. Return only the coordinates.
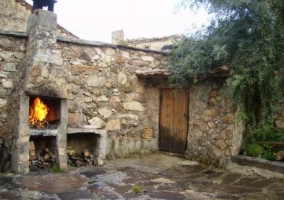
(32, 151)
(45, 159)
(79, 159)
(73, 157)
(46, 156)
(32, 157)
(79, 163)
(50, 153)
(86, 153)
(32, 145)
(72, 152)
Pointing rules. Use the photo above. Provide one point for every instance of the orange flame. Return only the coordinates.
(38, 112)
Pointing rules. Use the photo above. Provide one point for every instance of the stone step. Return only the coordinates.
(274, 166)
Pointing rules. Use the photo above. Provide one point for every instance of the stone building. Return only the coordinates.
(156, 43)
(114, 96)
(14, 17)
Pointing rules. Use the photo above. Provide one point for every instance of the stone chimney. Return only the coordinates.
(44, 74)
(41, 73)
(117, 37)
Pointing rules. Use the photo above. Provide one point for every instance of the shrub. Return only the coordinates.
(254, 150)
(55, 169)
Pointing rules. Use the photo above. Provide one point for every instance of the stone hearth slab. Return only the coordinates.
(53, 183)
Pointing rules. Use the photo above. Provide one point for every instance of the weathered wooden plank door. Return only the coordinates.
(173, 120)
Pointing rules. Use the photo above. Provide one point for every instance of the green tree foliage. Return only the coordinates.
(248, 35)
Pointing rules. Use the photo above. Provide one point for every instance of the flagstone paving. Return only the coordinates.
(159, 176)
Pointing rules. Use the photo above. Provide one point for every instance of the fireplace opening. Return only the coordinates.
(82, 149)
(42, 152)
(44, 112)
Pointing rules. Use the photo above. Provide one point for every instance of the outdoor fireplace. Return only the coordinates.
(43, 81)
(43, 120)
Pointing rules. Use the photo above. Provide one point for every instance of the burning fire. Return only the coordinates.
(38, 112)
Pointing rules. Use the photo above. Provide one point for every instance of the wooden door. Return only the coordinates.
(173, 120)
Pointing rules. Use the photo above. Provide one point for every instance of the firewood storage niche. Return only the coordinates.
(82, 149)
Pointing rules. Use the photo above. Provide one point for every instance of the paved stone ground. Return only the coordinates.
(158, 176)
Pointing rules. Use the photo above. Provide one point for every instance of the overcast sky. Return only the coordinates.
(96, 19)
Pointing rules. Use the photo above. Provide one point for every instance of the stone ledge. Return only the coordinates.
(14, 33)
(132, 138)
(259, 163)
(82, 42)
(86, 130)
(124, 147)
(43, 132)
(99, 44)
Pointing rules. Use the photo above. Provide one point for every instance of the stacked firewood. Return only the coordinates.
(81, 159)
(44, 160)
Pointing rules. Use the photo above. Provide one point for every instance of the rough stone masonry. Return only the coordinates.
(102, 90)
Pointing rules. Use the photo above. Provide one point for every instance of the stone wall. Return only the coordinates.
(128, 147)
(97, 80)
(14, 17)
(102, 87)
(12, 51)
(104, 91)
(214, 131)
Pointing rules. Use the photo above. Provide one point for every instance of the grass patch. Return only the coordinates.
(137, 189)
(55, 169)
